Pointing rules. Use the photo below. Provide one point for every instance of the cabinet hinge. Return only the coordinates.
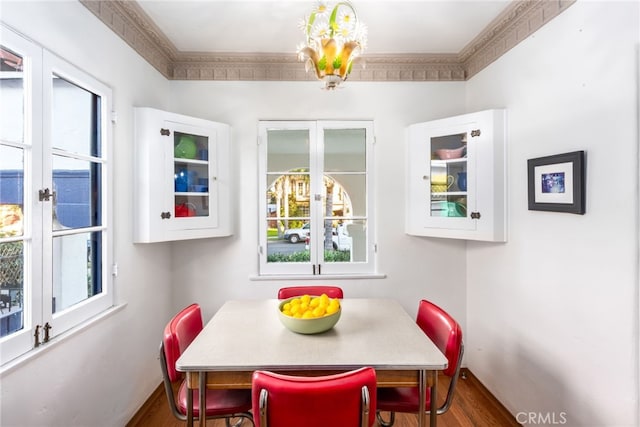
(114, 270)
(475, 132)
(114, 117)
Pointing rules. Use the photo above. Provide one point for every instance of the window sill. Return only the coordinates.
(319, 277)
(55, 341)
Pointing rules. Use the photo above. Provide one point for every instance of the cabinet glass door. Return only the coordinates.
(448, 165)
(191, 171)
(194, 178)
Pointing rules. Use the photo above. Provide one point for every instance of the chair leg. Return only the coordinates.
(382, 422)
(239, 420)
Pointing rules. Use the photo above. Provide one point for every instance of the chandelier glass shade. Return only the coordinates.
(334, 38)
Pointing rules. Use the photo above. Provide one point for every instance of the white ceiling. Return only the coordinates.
(265, 26)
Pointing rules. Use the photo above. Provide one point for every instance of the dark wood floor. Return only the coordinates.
(473, 405)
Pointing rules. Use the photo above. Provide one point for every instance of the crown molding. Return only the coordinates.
(517, 22)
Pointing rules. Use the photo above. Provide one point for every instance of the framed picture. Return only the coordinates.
(557, 183)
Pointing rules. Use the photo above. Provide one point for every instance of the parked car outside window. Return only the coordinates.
(340, 238)
(295, 235)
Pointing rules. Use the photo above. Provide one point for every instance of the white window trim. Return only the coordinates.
(283, 271)
(40, 65)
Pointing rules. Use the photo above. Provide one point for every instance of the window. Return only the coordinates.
(55, 233)
(316, 213)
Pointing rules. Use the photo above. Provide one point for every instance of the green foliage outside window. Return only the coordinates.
(304, 256)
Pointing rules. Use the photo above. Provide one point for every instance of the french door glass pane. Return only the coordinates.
(76, 118)
(288, 196)
(77, 193)
(12, 223)
(11, 96)
(11, 191)
(76, 268)
(345, 150)
(345, 190)
(11, 287)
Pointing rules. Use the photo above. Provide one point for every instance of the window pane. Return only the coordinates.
(76, 118)
(345, 150)
(288, 217)
(12, 224)
(357, 230)
(287, 150)
(77, 193)
(11, 96)
(288, 196)
(11, 287)
(345, 195)
(11, 191)
(76, 269)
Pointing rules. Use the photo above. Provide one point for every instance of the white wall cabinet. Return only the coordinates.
(182, 180)
(456, 177)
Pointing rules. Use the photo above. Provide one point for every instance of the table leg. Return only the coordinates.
(427, 379)
(202, 390)
(189, 407)
(433, 421)
(422, 390)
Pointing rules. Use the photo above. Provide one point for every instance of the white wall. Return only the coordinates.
(553, 314)
(102, 375)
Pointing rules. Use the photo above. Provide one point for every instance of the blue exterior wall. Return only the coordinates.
(73, 194)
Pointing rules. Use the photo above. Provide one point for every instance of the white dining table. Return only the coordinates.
(246, 335)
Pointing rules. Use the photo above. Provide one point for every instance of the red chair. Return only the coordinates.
(178, 334)
(345, 400)
(296, 291)
(446, 333)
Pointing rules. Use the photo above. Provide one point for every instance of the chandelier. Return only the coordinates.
(334, 38)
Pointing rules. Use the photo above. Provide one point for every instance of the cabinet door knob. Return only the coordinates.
(165, 132)
(425, 177)
(165, 215)
(475, 215)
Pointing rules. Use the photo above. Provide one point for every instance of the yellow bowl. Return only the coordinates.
(308, 326)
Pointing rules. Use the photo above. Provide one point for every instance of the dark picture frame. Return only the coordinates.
(557, 183)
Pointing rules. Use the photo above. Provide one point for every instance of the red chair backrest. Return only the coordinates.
(332, 400)
(443, 330)
(296, 291)
(178, 334)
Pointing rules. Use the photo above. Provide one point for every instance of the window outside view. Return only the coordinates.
(289, 236)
